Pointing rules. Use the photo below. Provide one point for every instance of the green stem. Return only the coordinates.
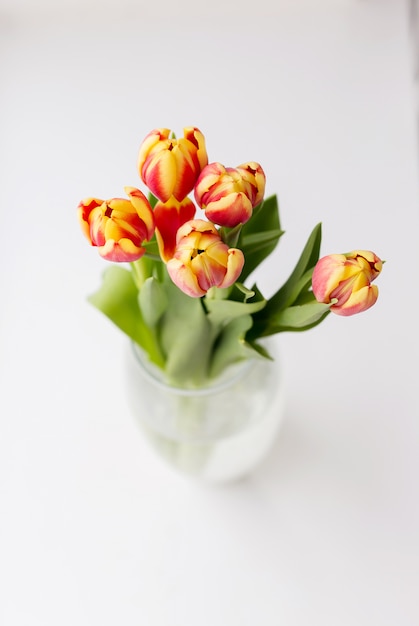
(140, 272)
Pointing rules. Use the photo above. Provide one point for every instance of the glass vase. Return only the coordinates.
(219, 432)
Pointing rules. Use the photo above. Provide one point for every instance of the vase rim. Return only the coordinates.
(232, 374)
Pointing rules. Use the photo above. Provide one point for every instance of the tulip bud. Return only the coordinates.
(169, 217)
(170, 167)
(229, 195)
(118, 227)
(202, 260)
(345, 280)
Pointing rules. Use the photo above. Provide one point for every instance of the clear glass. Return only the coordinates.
(217, 433)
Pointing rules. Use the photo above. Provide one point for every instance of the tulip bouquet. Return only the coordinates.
(177, 287)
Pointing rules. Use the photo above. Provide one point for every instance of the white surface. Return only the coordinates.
(94, 530)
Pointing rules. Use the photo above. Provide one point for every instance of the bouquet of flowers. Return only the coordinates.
(178, 286)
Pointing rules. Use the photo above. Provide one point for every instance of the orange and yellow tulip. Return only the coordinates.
(118, 227)
(229, 195)
(170, 167)
(202, 260)
(346, 279)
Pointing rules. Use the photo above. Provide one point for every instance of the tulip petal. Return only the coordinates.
(185, 171)
(84, 211)
(122, 251)
(98, 220)
(169, 218)
(194, 135)
(230, 210)
(235, 265)
(184, 278)
(148, 144)
(359, 301)
(253, 173)
(160, 174)
(209, 176)
(208, 272)
(143, 208)
(368, 260)
(327, 273)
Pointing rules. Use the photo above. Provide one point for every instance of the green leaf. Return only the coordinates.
(152, 249)
(299, 288)
(248, 293)
(186, 338)
(153, 301)
(258, 241)
(260, 235)
(152, 199)
(298, 283)
(302, 272)
(117, 298)
(221, 312)
(230, 346)
(259, 350)
(237, 293)
(230, 236)
(298, 317)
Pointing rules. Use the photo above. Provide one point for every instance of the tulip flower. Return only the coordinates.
(118, 227)
(345, 281)
(229, 195)
(169, 217)
(202, 260)
(169, 166)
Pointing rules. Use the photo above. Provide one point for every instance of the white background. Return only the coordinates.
(94, 528)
